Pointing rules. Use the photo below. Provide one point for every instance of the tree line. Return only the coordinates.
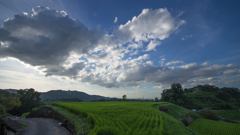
(202, 96)
(24, 101)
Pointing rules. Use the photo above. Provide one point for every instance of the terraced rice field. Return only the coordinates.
(210, 127)
(229, 114)
(126, 118)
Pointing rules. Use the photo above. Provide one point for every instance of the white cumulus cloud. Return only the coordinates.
(152, 45)
(58, 46)
(150, 24)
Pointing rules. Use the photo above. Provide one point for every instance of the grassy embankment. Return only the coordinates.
(229, 114)
(205, 126)
(178, 112)
(127, 118)
(210, 127)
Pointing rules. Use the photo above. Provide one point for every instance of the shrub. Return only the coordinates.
(208, 114)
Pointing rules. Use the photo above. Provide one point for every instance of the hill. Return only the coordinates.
(60, 94)
(6, 92)
(203, 96)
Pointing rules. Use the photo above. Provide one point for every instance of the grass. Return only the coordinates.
(25, 114)
(178, 112)
(228, 114)
(24, 125)
(73, 118)
(210, 127)
(128, 118)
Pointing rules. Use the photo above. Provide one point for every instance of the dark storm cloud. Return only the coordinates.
(45, 39)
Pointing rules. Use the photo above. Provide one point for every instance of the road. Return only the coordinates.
(40, 126)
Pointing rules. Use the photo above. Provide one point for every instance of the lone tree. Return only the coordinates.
(124, 97)
(156, 99)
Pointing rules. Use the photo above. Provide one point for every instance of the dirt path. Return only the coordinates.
(39, 126)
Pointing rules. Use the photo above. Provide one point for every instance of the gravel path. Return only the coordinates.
(39, 126)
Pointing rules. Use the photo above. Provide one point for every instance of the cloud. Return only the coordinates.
(59, 46)
(150, 24)
(115, 19)
(152, 45)
(45, 39)
(173, 63)
(186, 37)
(188, 74)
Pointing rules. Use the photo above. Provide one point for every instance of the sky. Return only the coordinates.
(118, 47)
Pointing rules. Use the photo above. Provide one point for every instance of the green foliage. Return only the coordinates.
(2, 110)
(128, 118)
(64, 100)
(208, 114)
(5, 93)
(178, 112)
(228, 114)
(24, 125)
(10, 101)
(210, 127)
(202, 96)
(75, 119)
(124, 97)
(29, 99)
(223, 95)
(25, 114)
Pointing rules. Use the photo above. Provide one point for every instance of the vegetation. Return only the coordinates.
(10, 101)
(2, 110)
(208, 114)
(124, 97)
(24, 125)
(202, 96)
(229, 114)
(178, 112)
(210, 127)
(63, 100)
(29, 99)
(126, 118)
(25, 114)
(73, 118)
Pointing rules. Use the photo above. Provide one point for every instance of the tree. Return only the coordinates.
(124, 97)
(223, 95)
(177, 88)
(10, 101)
(29, 98)
(156, 99)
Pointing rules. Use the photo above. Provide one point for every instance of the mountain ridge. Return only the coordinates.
(58, 94)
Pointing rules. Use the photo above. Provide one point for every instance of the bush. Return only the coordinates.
(208, 114)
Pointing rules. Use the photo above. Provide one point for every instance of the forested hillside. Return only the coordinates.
(202, 96)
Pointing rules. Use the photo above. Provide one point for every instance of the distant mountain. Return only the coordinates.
(58, 94)
(10, 90)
